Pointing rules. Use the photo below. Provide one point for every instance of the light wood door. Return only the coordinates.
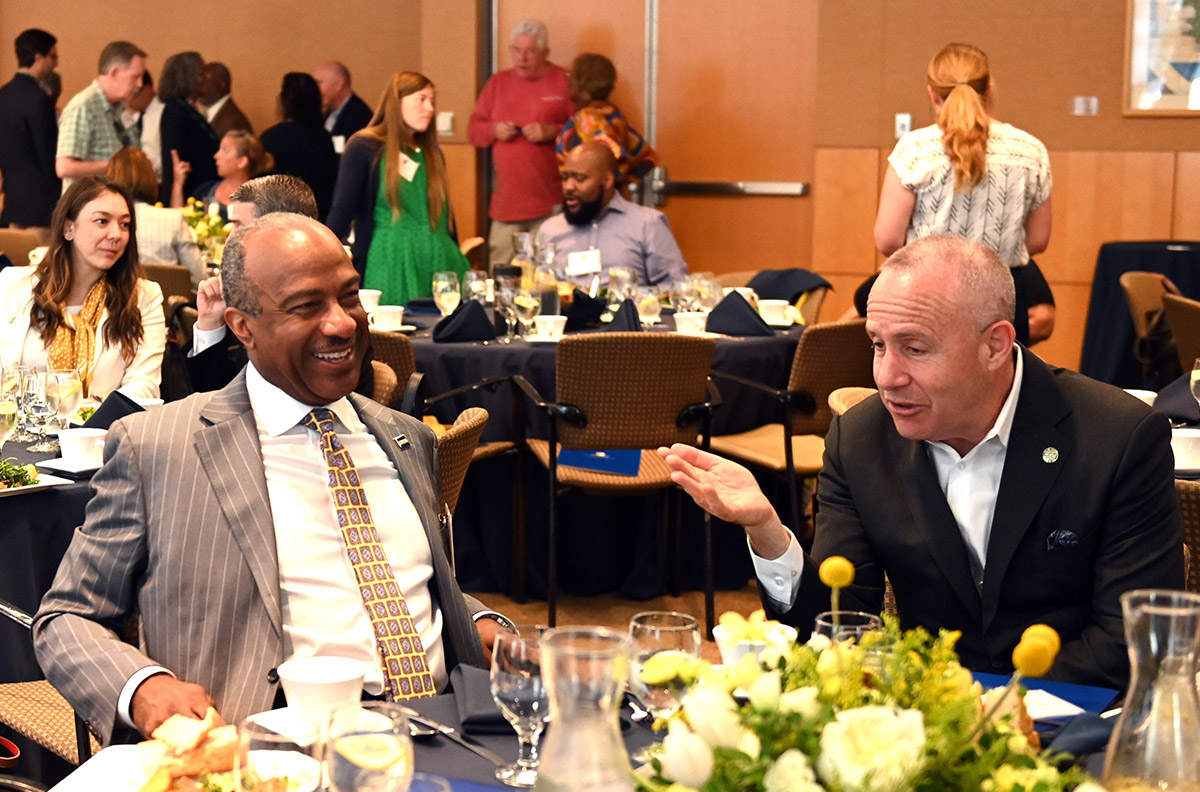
(736, 100)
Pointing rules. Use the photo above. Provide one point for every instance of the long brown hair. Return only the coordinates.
(53, 277)
(959, 75)
(131, 168)
(388, 126)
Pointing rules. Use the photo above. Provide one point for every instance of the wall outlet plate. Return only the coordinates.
(903, 124)
(445, 122)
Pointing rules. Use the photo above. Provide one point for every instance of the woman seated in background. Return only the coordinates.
(162, 235)
(85, 306)
(392, 184)
(968, 174)
(590, 81)
(300, 145)
(239, 159)
(187, 141)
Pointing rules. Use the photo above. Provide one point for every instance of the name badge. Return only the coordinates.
(583, 262)
(339, 143)
(408, 167)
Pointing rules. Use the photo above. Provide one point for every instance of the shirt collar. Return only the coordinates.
(277, 412)
(215, 107)
(1002, 428)
(616, 204)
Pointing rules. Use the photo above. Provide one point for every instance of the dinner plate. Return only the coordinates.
(784, 325)
(534, 338)
(116, 768)
(701, 334)
(75, 468)
(45, 481)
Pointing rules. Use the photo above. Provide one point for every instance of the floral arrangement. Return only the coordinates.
(207, 227)
(893, 713)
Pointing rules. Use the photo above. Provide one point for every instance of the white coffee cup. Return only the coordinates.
(315, 685)
(84, 447)
(1145, 396)
(369, 298)
(550, 325)
(387, 317)
(690, 322)
(750, 295)
(775, 312)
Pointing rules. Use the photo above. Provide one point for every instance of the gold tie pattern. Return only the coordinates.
(405, 667)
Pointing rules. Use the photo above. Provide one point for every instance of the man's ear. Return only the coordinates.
(237, 320)
(999, 340)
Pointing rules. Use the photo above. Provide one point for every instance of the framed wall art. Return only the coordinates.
(1162, 58)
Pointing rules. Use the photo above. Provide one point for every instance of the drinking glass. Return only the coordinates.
(621, 282)
(475, 285)
(648, 306)
(277, 750)
(10, 396)
(527, 307)
(446, 295)
(653, 632)
(369, 748)
(22, 435)
(41, 404)
(427, 782)
(521, 695)
(683, 296)
(708, 293)
(846, 625)
(67, 385)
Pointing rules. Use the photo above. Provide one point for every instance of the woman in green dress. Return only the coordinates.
(392, 185)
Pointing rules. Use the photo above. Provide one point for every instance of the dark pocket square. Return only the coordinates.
(1061, 538)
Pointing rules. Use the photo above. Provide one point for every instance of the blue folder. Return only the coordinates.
(622, 462)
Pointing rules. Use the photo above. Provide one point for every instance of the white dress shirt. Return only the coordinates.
(323, 611)
(215, 108)
(971, 484)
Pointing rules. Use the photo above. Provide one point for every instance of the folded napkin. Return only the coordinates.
(117, 405)
(477, 709)
(469, 322)
(585, 311)
(1175, 400)
(785, 284)
(1084, 734)
(734, 316)
(421, 305)
(625, 320)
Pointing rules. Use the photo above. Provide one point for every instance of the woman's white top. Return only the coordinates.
(163, 237)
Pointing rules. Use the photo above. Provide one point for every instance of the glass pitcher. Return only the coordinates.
(545, 282)
(585, 669)
(1156, 742)
(522, 243)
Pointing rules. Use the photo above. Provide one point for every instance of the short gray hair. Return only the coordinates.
(239, 289)
(534, 29)
(986, 290)
(278, 192)
(119, 54)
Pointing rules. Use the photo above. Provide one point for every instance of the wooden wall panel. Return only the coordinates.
(1065, 345)
(845, 194)
(460, 170)
(1186, 224)
(841, 298)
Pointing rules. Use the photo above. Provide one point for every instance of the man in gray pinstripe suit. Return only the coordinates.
(212, 521)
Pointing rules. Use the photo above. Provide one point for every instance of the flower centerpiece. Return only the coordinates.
(208, 228)
(891, 713)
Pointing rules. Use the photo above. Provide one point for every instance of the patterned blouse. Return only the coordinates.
(994, 211)
(604, 121)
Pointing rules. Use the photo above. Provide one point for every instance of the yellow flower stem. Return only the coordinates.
(987, 716)
(835, 601)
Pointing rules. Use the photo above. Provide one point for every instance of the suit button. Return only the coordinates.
(272, 676)
(995, 664)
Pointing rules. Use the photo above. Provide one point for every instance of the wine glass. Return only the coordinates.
(10, 396)
(505, 295)
(22, 435)
(620, 286)
(846, 625)
(527, 307)
(446, 295)
(683, 296)
(41, 404)
(67, 385)
(653, 632)
(648, 306)
(277, 750)
(369, 748)
(520, 693)
(474, 285)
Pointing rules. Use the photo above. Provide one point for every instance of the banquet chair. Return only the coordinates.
(385, 382)
(1189, 505)
(396, 351)
(16, 243)
(730, 280)
(38, 712)
(455, 453)
(843, 399)
(631, 391)
(172, 278)
(829, 356)
(1154, 345)
(1183, 315)
(809, 304)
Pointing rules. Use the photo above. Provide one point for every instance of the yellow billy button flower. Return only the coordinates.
(1035, 654)
(837, 572)
(1044, 631)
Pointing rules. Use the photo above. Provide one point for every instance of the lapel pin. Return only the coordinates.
(1050, 455)
(401, 441)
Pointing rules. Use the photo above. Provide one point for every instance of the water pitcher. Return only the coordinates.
(585, 669)
(1156, 742)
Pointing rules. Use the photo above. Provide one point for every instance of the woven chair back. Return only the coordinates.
(16, 243)
(455, 449)
(829, 356)
(843, 399)
(1183, 315)
(1144, 293)
(1189, 504)
(395, 350)
(172, 278)
(385, 382)
(631, 387)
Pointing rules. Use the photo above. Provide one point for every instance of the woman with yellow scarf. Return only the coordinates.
(85, 306)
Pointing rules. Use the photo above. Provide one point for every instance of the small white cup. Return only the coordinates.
(369, 298)
(733, 650)
(690, 322)
(1185, 444)
(550, 325)
(750, 295)
(1145, 396)
(315, 685)
(387, 317)
(774, 312)
(84, 447)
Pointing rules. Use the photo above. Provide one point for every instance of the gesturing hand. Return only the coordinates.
(538, 132)
(504, 130)
(162, 696)
(180, 168)
(210, 304)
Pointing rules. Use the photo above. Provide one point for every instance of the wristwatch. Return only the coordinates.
(497, 617)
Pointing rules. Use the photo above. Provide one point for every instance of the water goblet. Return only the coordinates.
(683, 296)
(621, 282)
(527, 307)
(446, 295)
(22, 435)
(648, 306)
(474, 285)
(67, 385)
(520, 692)
(653, 632)
(846, 625)
(369, 748)
(41, 404)
(506, 308)
(10, 396)
(277, 750)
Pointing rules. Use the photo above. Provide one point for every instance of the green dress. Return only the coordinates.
(405, 252)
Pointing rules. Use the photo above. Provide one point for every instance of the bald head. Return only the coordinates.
(215, 82)
(333, 78)
(588, 181)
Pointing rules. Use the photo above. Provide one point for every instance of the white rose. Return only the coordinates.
(791, 773)
(1090, 786)
(712, 714)
(817, 642)
(802, 700)
(764, 692)
(750, 744)
(873, 747)
(685, 757)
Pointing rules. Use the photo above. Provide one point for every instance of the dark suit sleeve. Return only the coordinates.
(43, 130)
(1141, 546)
(352, 176)
(216, 366)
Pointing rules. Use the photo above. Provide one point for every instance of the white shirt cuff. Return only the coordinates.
(780, 577)
(203, 339)
(125, 701)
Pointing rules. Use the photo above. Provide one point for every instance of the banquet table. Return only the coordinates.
(1108, 337)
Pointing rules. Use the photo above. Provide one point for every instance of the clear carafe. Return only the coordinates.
(585, 669)
(545, 282)
(1156, 742)
(522, 243)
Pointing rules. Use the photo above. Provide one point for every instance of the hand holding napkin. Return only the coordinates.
(734, 316)
(469, 322)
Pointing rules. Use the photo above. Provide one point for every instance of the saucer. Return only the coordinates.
(534, 338)
(406, 328)
(74, 467)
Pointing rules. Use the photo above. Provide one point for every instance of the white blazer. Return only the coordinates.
(140, 379)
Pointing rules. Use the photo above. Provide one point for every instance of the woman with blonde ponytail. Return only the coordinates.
(968, 174)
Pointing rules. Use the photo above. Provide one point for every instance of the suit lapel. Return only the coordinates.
(1037, 452)
(231, 456)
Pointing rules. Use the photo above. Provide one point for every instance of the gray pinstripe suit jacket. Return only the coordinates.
(180, 530)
